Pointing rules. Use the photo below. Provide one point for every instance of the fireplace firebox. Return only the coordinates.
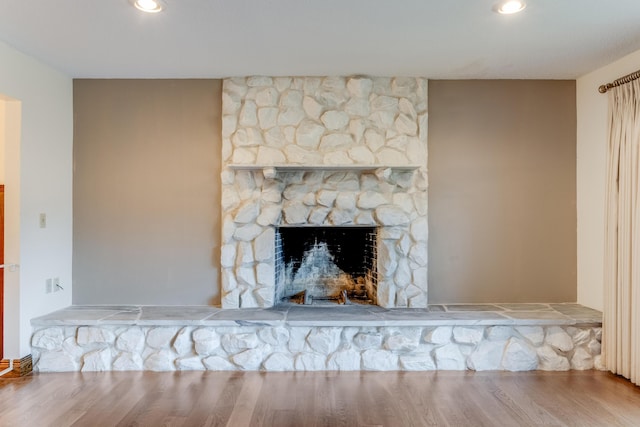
(326, 265)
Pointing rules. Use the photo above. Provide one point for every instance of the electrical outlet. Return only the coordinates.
(56, 284)
(49, 286)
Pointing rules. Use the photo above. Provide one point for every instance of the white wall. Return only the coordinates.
(591, 168)
(38, 179)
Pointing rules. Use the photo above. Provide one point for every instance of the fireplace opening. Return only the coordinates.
(326, 265)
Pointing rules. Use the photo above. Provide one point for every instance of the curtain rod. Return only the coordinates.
(622, 80)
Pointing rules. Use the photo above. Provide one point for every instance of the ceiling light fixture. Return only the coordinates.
(510, 6)
(149, 6)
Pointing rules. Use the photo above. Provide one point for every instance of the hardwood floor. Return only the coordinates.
(443, 398)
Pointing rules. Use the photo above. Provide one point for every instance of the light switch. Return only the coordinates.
(43, 220)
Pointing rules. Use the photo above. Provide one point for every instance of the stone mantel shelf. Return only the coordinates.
(345, 168)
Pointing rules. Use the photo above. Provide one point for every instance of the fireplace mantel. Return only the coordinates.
(271, 171)
(346, 168)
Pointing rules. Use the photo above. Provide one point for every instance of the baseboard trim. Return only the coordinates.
(21, 367)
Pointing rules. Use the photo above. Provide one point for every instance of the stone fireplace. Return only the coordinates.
(324, 181)
(324, 152)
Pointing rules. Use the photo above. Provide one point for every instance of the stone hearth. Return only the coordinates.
(329, 151)
(511, 337)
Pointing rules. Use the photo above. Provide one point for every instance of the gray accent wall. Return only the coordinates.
(146, 191)
(502, 191)
(147, 220)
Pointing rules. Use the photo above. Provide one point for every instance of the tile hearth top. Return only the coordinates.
(352, 315)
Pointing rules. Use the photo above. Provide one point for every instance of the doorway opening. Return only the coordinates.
(10, 132)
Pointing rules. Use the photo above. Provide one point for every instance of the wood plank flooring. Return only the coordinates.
(294, 399)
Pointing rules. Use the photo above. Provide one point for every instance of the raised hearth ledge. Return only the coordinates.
(355, 315)
(513, 337)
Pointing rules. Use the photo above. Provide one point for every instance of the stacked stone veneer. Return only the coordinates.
(327, 126)
(278, 348)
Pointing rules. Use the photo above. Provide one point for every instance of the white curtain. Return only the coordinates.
(621, 315)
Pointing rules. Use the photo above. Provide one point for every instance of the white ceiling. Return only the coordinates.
(445, 39)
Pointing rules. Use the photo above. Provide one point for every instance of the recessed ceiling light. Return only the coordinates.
(510, 6)
(150, 6)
